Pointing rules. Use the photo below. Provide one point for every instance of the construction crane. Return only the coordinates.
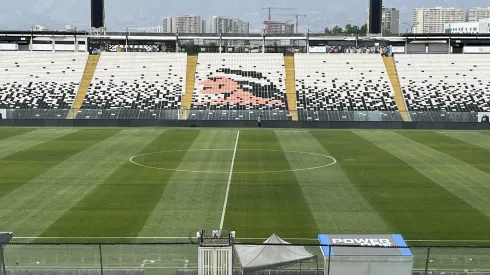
(297, 20)
(288, 14)
(269, 15)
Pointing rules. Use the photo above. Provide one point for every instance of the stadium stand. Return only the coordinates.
(347, 84)
(240, 87)
(34, 81)
(453, 86)
(137, 86)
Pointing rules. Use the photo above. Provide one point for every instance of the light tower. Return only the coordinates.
(375, 16)
(97, 22)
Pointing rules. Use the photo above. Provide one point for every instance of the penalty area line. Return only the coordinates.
(229, 182)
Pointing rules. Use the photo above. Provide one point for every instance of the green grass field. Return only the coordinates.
(79, 185)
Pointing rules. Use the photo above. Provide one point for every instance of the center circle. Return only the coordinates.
(329, 161)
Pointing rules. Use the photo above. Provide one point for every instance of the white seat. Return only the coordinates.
(39, 79)
(138, 81)
(343, 82)
(445, 82)
(252, 82)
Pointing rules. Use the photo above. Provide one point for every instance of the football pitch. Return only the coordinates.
(162, 185)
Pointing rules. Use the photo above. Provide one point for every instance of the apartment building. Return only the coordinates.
(390, 20)
(183, 24)
(476, 14)
(434, 20)
(218, 24)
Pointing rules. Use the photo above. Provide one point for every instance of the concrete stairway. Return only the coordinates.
(88, 74)
(395, 83)
(189, 86)
(291, 86)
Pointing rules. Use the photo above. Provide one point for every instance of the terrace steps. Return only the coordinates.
(291, 86)
(389, 62)
(88, 74)
(189, 85)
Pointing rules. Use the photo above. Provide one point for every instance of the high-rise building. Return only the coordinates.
(183, 24)
(168, 25)
(217, 24)
(390, 20)
(278, 27)
(433, 20)
(475, 14)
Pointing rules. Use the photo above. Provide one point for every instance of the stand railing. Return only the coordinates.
(182, 258)
(215, 114)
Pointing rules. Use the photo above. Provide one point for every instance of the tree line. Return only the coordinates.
(350, 29)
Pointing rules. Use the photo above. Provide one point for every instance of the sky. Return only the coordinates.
(144, 14)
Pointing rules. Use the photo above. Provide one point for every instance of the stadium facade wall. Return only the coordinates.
(244, 124)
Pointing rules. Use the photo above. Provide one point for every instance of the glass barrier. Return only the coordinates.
(301, 115)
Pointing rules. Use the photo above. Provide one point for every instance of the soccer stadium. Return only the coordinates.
(131, 154)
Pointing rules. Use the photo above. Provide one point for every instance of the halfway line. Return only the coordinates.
(229, 182)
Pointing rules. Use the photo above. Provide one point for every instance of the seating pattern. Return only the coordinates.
(342, 82)
(458, 83)
(39, 79)
(240, 82)
(137, 81)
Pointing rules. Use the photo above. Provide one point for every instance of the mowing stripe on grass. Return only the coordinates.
(194, 201)
(35, 206)
(476, 138)
(121, 204)
(20, 167)
(460, 178)
(406, 199)
(335, 202)
(18, 143)
(10, 132)
(264, 203)
(470, 148)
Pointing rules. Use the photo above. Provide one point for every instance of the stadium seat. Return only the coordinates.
(40, 81)
(239, 86)
(140, 84)
(450, 83)
(341, 82)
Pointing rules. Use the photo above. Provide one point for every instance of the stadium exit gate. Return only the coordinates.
(215, 253)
